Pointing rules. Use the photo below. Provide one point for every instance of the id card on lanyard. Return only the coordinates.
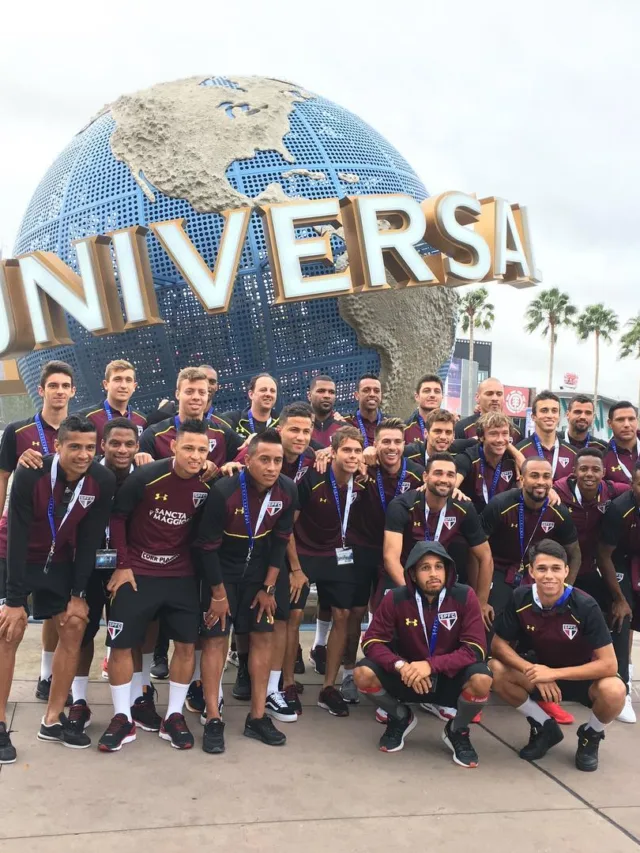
(107, 558)
(51, 508)
(344, 555)
(247, 515)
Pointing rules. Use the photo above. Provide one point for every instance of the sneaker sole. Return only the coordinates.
(213, 751)
(159, 677)
(146, 728)
(128, 739)
(166, 736)
(192, 708)
(47, 739)
(585, 769)
(351, 701)
(435, 712)
(281, 718)
(333, 713)
(105, 675)
(456, 760)
(407, 731)
(8, 760)
(241, 697)
(254, 736)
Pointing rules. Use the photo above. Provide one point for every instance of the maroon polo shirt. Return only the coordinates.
(223, 443)
(317, 530)
(323, 430)
(566, 456)
(414, 430)
(368, 429)
(23, 435)
(100, 418)
(621, 530)
(471, 466)
(613, 462)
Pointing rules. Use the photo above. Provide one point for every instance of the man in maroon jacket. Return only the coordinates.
(326, 421)
(624, 448)
(426, 643)
(428, 396)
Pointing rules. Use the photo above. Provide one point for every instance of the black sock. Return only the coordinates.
(394, 708)
(243, 657)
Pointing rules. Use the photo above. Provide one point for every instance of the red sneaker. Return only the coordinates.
(557, 713)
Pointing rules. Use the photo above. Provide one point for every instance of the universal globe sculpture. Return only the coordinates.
(190, 149)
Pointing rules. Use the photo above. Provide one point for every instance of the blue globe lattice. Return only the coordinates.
(87, 191)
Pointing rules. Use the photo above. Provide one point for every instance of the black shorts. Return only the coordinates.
(572, 691)
(594, 585)
(243, 616)
(338, 586)
(98, 600)
(174, 601)
(500, 593)
(50, 591)
(447, 689)
(282, 594)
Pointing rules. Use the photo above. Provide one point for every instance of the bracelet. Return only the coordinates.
(219, 599)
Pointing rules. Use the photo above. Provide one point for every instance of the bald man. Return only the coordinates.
(489, 398)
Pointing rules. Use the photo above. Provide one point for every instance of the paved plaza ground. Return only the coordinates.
(328, 789)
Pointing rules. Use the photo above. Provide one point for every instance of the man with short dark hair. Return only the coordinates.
(322, 397)
(624, 446)
(569, 656)
(262, 393)
(57, 517)
(439, 438)
(428, 396)
(368, 395)
(545, 443)
(426, 644)
(489, 398)
(580, 418)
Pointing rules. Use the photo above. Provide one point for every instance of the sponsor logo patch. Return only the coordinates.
(449, 521)
(547, 526)
(507, 476)
(273, 507)
(199, 498)
(158, 559)
(114, 628)
(563, 460)
(86, 500)
(448, 619)
(570, 630)
(413, 622)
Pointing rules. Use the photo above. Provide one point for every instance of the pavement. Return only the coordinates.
(329, 788)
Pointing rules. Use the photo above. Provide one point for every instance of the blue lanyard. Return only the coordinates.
(43, 439)
(496, 476)
(433, 638)
(176, 422)
(523, 548)
(209, 413)
(347, 507)
(362, 429)
(109, 412)
(423, 426)
(252, 423)
(383, 499)
(247, 515)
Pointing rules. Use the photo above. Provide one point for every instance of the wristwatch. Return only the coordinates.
(270, 589)
(78, 593)
(399, 664)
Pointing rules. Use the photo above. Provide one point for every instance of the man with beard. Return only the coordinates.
(262, 393)
(326, 421)
(428, 396)
(369, 398)
(622, 453)
(545, 442)
(580, 417)
(489, 398)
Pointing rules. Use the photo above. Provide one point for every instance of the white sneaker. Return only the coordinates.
(276, 706)
(627, 715)
(440, 711)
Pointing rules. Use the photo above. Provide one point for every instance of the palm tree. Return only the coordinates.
(477, 313)
(630, 341)
(602, 323)
(551, 310)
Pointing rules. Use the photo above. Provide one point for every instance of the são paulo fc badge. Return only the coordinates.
(274, 507)
(449, 521)
(199, 498)
(114, 628)
(300, 474)
(405, 488)
(86, 500)
(547, 526)
(140, 430)
(563, 460)
(448, 619)
(507, 476)
(570, 630)
(212, 444)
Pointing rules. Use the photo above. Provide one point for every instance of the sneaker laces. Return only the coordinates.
(116, 724)
(278, 699)
(178, 722)
(77, 712)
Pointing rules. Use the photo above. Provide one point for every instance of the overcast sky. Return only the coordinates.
(539, 106)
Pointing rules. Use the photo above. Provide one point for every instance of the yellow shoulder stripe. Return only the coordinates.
(372, 640)
(524, 608)
(628, 511)
(480, 649)
(513, 506)
(157, 480)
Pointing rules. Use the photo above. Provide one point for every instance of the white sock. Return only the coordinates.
(136, 686)
(147, 663)
(274, 681)
(531, 709)
(220, 692)
(177, 696)
(46, 665)
(121, 698)
(197, 674)
(107, 652)
(346, 673)
(322, 632)
(595, 724)
(79, 687)
(630, 675)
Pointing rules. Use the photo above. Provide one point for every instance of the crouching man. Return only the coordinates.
(426, 643)
(564, 652)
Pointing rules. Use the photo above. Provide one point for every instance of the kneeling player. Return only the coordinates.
(562, 630)
(426, 643)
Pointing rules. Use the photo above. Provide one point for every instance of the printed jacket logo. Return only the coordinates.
(213, 442)
(563, 460)
(449, 521)
(199, 498)
(114, 628)
(274, 507)
(547, 526)
(448, 619)
(570, 630)
(507, 476)
(86, 500)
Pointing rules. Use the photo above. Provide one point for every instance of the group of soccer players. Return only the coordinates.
(484, 561)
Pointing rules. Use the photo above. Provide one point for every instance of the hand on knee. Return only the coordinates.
(73, 630)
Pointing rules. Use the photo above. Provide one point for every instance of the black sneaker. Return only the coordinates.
(242, 687)
(160, 668)
(541, 739)
(119, 731)
(144, 711)
(79, 716)
(299, 686)
(460, 745)
(318, 658)
(43, 688)
(393, 738)
(63, 733)
(277, 707)
(7, 749)
(292, 698)
(175, 730)
(203, 715)
(587, 752)
(299, 667)
(264, 730)
(331, 700)
(213, 737)
(195, 698)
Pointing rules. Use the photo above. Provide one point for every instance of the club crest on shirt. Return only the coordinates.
(548, 526)
(619, 576)
(448, 619)
(212, 444)
(449, 521)
(563, 460)
(273, 507)
(507, 476)
(570, 630)
(199, 498)
(603, 507)
(86, 500)
(140, 430)
(300, 474)
(405, 488)
(114, 628)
